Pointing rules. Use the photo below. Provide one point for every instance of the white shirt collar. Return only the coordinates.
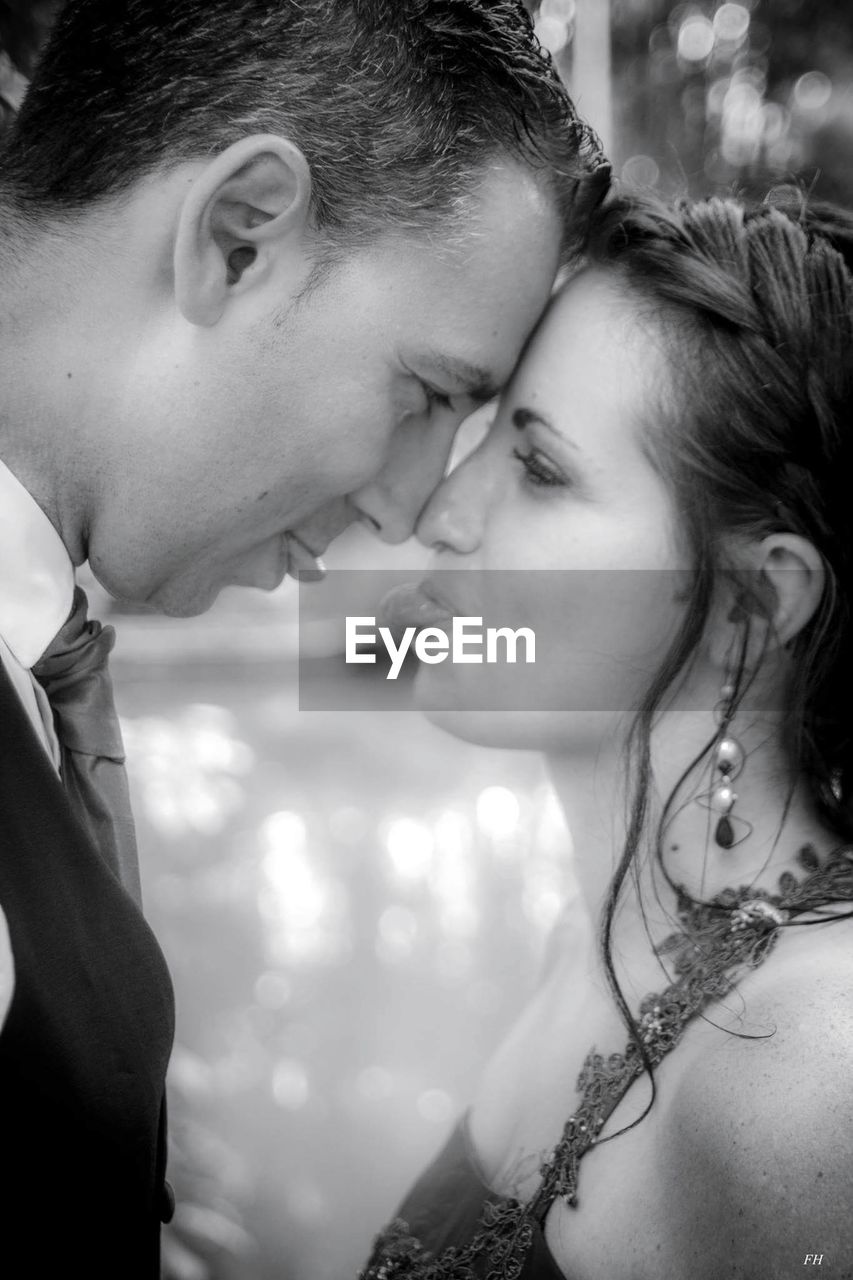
(36, 573)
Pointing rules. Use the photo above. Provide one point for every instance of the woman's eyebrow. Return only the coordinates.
(522, 418)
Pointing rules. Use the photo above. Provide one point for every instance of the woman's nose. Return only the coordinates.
(455, 515)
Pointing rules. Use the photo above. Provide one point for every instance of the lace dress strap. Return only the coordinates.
(719, 941)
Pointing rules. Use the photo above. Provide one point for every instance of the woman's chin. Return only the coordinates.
(484, 728)
(467, 711)
(451, 704)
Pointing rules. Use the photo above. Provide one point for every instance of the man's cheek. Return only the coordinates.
(368, 462)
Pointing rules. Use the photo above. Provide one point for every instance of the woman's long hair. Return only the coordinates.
(754, 436)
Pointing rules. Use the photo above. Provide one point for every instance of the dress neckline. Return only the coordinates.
(717, 943)
(472, 1156)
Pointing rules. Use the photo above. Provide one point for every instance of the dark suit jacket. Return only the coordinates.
(84, 1049)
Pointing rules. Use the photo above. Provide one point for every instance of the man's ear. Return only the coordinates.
(239, 211)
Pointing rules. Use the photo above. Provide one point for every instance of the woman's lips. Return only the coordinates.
(415, 604)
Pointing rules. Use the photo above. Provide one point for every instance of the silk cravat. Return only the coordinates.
(73, 673)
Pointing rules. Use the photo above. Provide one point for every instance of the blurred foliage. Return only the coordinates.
(723, 97)
(714, 97)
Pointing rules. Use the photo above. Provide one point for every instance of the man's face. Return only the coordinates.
(299, 414)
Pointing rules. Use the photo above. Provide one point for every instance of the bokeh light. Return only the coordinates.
(813, 91)
(731, 23)
(640, 171)
(435, 1106)
(290, 1085)
(410, 849)
(498, 812)
(695, 39)
(554, 24)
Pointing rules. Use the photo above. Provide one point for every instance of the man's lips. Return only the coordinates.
(303, 563)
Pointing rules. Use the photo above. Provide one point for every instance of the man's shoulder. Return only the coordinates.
(7, 969)
(19, 740)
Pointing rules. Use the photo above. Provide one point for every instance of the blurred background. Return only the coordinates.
(353, 905)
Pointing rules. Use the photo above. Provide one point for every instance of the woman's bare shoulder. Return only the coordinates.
(759, 1159)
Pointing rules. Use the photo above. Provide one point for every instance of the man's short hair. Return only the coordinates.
(398, 105)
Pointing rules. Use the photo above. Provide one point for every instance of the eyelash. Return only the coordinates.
(436, 399)
(535, 472)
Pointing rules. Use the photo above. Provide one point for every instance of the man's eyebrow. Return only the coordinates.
(522, 418)
(480, 384)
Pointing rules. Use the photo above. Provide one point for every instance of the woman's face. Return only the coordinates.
(558, 522)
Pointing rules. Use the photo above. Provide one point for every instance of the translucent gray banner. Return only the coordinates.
(526, 640)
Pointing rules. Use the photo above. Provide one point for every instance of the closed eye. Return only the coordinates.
(538, 470)
(436, 399)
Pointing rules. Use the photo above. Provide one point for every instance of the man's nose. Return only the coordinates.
(417, 458)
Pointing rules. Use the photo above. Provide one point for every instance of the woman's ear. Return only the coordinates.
(793, 571)
(773, 595)
(245, 207)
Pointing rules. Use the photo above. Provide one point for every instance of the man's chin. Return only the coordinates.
(184, 601)
(184, 608)
(171, 599)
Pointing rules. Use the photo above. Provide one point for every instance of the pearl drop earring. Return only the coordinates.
(729, 760)
(728, 763)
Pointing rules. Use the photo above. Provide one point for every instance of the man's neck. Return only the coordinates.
(55, 339)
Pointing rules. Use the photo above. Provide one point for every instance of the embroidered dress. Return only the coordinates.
(452, 1227)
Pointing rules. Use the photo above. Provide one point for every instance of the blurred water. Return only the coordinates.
(353, 905)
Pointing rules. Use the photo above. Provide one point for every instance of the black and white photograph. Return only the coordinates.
(426, 639)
